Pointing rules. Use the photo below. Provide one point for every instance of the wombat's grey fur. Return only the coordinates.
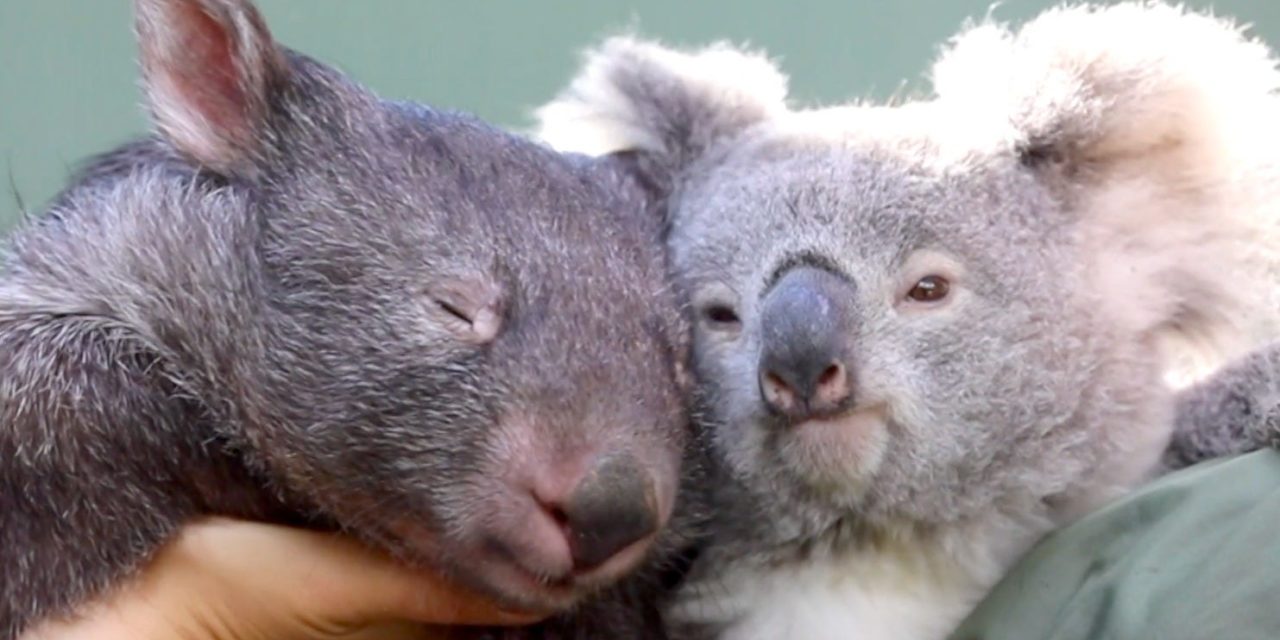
(300, 303)
(933, 331)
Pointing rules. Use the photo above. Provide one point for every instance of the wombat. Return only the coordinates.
(934, 331)
(298, 302)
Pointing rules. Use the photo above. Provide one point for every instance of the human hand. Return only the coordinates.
(232, 580)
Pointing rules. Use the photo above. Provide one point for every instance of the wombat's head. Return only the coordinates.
(472, 356)
(924, 312)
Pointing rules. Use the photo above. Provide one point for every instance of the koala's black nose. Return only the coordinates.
(614, 505)
(807, 332)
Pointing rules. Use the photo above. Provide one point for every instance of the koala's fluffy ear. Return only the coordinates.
(209, 67)
(1094, 87)
(661, 107)
(1159, 128)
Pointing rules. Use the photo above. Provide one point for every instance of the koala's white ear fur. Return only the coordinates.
(208, 67)
(1092, 85)
(633, 95)
(1161, 128)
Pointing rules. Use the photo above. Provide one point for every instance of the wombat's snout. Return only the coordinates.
(613, 507)
(561, 529)
(806, 334)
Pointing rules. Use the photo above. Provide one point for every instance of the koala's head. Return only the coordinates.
(917, 313)
(472, 355)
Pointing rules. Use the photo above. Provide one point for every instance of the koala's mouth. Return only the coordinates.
(852, 423)
(842, 449)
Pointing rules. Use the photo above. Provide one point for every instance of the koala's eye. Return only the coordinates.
(930, 289)
(720, 314)
(721, 317)
(716, 306)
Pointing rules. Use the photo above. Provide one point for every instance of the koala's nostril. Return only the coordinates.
(829, 376)
(829, 392)
(832, 390)
(613, 507)
(777, 392)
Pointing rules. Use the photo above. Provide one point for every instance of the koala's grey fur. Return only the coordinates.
(1101, 187)
(241, 315)
(1235, 411)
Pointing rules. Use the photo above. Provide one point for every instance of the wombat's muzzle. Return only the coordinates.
(614, 506)
(564, 525)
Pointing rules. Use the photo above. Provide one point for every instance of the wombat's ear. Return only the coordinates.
(661, 108)
(1104, 91)
(209, 67)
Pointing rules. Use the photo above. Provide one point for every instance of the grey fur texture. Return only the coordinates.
(301, 303)
(1098, 188)
(1235, 411)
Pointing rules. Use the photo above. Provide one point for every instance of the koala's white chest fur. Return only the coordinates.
(899, 592)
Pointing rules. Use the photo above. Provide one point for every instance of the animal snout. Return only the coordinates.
(807, 334)
(612, 507)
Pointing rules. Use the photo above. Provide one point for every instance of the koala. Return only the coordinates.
(297, 302)
(930, 332)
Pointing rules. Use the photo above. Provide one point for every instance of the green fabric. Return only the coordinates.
(1193, 556)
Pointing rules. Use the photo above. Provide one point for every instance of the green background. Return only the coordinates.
(68, 86)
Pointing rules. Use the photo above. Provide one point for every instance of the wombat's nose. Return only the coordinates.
(806, 330)
(612, 507)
